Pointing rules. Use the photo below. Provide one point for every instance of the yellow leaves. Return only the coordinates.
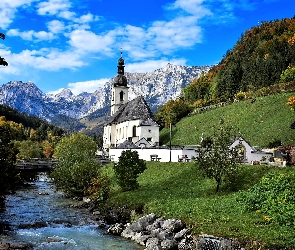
(291, 102)
(266, 56)
(266, 217)
(291, 40)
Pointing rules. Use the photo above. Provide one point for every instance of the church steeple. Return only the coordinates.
(120, 89)
(120, 79)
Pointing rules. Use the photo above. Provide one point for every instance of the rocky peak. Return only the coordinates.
(157, 87)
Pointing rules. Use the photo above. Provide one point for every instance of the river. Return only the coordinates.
(56, 225)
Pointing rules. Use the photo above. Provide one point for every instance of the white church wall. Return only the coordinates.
(150, 133)
(163, 154)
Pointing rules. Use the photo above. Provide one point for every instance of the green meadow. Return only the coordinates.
(264, 121)
(180, 190)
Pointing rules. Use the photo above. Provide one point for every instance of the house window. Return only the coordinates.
(121, 96)
(134, 131)
(149, 139)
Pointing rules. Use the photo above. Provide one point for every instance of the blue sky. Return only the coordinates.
(76, 43)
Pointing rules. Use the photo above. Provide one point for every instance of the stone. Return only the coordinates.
(142, 223)
(4, 246)
(127, 233)
(153, 244)
(180, 235)
(116, 229)
(169, 244)
(165, 234)
(157, 224)
(140, 238)
(188, 243)
(173, 225)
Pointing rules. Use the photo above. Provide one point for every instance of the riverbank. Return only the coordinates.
(180, 190)
(39, 217)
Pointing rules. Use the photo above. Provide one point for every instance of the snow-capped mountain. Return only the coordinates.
(157, 87)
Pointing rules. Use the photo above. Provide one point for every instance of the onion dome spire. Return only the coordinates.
(120, 79)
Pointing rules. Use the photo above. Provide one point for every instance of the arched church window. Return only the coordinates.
(121, 96)
(134, 131)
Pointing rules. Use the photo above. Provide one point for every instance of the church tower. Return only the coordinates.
(120, 89)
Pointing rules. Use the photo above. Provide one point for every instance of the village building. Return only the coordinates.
(130, 120)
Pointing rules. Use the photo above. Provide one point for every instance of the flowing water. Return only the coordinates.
(56, 225)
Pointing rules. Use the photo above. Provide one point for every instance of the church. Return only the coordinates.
(131, 122)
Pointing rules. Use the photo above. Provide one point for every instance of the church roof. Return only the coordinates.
(137, 109)
(127, 144)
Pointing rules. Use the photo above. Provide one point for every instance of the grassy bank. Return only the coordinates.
(264, 121)
(179, 190)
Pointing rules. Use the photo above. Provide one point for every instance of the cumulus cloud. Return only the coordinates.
(53, 7)
(8, 8)
(87, 86)
(32, 35)
(88, 41)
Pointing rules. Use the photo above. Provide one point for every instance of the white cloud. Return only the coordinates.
(88, 41)
(45, 59)
(55, 26)
(87, 86)
(53, 7)
(32, 35)
(193, 7)
(8, 8)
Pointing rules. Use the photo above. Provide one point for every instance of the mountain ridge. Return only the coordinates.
(157, 87)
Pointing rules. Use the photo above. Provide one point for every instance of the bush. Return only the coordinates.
(273, 197)
(128, 169)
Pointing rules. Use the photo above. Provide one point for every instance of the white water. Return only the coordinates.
(65, 228)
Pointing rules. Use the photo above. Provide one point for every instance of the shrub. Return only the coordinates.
(99, 188)
(128, 169)
(273, 197)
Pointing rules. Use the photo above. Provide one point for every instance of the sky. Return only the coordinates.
(76, 44)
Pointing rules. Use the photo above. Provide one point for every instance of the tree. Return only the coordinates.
(217, 159)
(288, 75)
(2, 60)
(8, 176)
(128, 169)
(28, 149)
(77, 165)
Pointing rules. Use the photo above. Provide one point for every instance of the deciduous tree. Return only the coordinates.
(217, 159)
(128, 169)
(77, 165)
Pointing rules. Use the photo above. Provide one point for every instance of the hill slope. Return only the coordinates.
(264, 121)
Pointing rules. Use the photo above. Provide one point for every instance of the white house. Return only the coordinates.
(249, 153)
(130, 120)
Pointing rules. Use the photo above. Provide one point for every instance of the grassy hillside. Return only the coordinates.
(179, 190)
(264, 121)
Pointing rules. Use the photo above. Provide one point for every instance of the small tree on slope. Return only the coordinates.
(218, 160)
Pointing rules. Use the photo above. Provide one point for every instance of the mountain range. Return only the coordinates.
(64, 108)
